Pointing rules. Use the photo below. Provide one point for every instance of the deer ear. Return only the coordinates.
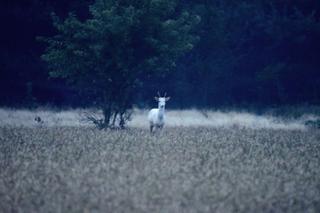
(167, 98)
(156, 98)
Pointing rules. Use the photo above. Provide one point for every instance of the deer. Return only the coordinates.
(156, 116)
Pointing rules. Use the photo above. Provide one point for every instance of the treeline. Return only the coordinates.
(256, 53)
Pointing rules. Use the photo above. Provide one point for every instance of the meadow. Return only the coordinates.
(217, 162)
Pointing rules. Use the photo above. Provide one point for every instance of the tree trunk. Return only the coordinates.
(122, 121)
(107, 116)
(115, 114)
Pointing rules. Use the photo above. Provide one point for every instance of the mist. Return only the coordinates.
(174, 118)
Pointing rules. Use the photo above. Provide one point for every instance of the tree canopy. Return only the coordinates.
(243, 53)
(105, 55)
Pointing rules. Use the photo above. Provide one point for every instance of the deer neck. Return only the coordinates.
(161, 113)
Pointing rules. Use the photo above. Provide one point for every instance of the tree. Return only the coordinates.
(105, 56)
(256, 53)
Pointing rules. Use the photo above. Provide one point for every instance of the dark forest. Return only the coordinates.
(256, 53)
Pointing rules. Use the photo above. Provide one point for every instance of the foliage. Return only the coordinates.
(252, 52)
(106, 55)
(313, 123)
(257, 53)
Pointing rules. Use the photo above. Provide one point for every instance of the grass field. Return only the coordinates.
(184, 168)
(174, 118)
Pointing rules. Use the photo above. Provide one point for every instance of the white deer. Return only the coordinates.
(156, 116)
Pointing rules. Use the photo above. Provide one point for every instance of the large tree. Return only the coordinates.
(105, 56)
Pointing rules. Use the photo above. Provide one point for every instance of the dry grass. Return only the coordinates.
(187, 169)
(175, 118)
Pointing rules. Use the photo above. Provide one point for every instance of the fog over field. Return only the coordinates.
(174, 118)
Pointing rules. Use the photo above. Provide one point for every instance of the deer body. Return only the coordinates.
(156, 116)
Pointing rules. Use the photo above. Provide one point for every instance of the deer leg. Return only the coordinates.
(151, 128)
(160, 127)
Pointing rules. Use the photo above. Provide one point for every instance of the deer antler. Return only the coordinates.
(165, 94)
(159, 94)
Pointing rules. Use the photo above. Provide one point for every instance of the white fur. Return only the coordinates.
(156, 116)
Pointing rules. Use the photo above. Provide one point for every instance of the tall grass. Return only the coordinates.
(182, 169)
